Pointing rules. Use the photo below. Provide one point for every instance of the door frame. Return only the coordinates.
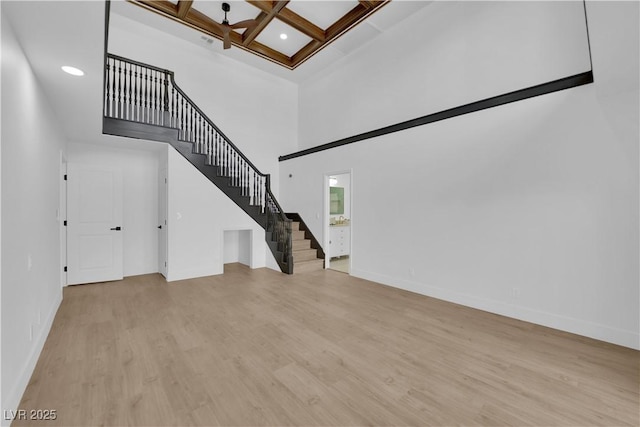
(62, 218)
(326, 230)
(163, 220)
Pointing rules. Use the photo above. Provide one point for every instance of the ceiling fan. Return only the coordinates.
(226, 28)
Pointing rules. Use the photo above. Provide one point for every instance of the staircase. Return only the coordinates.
(143, 101)
(304, 251)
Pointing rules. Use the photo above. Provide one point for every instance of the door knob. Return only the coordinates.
(160, 227)
(116, 228)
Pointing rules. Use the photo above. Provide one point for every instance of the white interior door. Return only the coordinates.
(94, 224)
(162, 222)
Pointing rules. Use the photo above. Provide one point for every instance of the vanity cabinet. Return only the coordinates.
(339, 240)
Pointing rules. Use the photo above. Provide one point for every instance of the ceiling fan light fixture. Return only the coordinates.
(72, 70)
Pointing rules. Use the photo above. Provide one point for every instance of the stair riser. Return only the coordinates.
(304, 255)
(301, 244)
(297, 235)
(308, 267)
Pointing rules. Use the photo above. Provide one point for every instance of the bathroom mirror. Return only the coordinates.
(336, 200)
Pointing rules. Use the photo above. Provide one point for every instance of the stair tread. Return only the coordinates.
(304, 250)
(311, 261)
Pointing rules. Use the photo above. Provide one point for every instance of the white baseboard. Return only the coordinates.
(172, 276)
(12, 398)
(585, 328)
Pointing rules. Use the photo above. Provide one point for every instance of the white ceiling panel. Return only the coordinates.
(270, 36)
(240, 10)
(357, 37)
(322, 13)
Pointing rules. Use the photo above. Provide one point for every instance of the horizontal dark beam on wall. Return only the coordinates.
(518, 95)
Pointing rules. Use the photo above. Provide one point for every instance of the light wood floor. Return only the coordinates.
(255, 347)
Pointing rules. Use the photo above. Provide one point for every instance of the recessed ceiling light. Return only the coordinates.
(72, 70)
(283, 36)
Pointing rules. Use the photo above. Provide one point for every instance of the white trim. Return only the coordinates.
(568, 324)
(194, 273)
(13, 397)
(326, 215)
(62, 216)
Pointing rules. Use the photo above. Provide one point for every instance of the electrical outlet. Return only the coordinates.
(29, 262)
(515, 293)
(412, 272)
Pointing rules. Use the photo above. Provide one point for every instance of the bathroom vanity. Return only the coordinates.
(339, 240)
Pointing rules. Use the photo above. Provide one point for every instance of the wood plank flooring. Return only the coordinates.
(256, 347)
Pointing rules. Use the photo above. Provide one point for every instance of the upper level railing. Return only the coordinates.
(146, 94)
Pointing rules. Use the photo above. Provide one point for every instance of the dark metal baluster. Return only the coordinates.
(191, 138)
(107, 101)
(152, 106)
(134, 114)
(173, 112)
(154, 97)
(207, 142)
(201, 134)
(129, 103)
(145, 97)
(123, 111)
(189, 123)
(193, 116)
(186, 120)
(119, 110)
(212, 152)
(182, 118)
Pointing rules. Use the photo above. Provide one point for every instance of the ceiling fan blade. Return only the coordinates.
(247, 23)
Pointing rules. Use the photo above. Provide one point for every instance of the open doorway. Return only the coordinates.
(237, 246)
(338, 221)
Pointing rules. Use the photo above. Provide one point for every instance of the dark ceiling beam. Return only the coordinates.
(291, 18)
(365, 3)
(251, 33)
(162, 6)
(269, 11)
(347, 21)
(271, 54)
(342, 25)
(183, 8)
(305, 52)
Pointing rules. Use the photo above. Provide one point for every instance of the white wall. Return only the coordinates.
(256, 110)
(199, 215)
(529, 210)
(31, 146)
(140, 199)
(454, 53)
(237, 246)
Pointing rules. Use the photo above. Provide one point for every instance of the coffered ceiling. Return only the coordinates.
(287, 32)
